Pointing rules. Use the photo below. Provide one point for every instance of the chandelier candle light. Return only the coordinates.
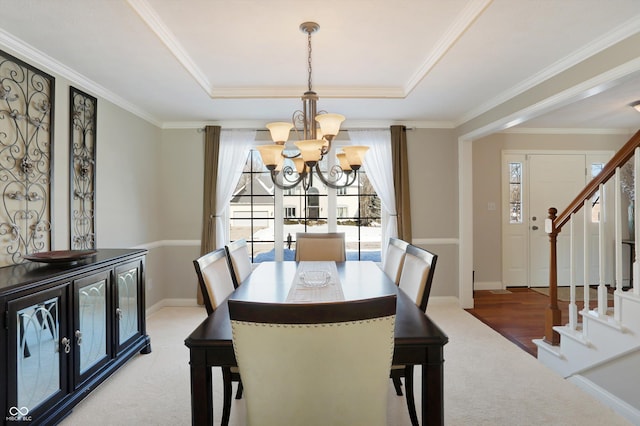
(314, 144)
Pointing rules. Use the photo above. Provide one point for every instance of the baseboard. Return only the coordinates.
(440, 300)
(189, 303)
(488, 285)
(621, 407)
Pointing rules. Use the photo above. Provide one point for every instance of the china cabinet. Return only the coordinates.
(65, 327)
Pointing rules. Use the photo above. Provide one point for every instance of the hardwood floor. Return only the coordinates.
(518, 314)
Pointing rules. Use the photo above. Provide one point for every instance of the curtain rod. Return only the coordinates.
(201, 129)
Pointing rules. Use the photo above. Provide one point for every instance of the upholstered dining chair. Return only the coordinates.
(416, 277)
(239, 261)
(315, 364)
(320, 246)
(216, 284)
(394, 258)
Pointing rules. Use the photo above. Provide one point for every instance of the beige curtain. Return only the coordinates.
(211, 151)
(401, 180)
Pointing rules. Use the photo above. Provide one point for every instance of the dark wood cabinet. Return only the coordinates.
(65, 328)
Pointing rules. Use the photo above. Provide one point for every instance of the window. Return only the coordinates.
(515, 192)
(362, 199)
(252, 208)
(268, 218)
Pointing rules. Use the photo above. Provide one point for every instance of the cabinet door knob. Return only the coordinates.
(67, 345)
(535, 228)
(78, 337)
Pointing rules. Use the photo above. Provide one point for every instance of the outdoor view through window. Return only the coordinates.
(269, 217)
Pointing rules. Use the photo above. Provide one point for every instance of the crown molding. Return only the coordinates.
(566, 131)
(349, 125)
(151, 18)
(32, 55)
(326, 92)
(460, 25)
(617, 35)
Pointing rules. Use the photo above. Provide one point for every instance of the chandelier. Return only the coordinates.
(290, 170)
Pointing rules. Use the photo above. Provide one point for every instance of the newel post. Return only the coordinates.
(553, 314)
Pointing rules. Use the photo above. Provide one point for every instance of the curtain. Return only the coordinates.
(399, 158)
(211, 149)
(234, 149)
(225, 153)
(208, 237)
(380, 172)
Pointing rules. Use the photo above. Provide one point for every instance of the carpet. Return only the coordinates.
(565, 296)
(487, 381)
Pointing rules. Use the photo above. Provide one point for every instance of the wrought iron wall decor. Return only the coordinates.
(26, 147)
(82, 161)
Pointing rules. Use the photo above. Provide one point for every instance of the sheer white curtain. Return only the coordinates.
(377, 163)
(234, 149)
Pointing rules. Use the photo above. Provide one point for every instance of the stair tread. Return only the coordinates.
(576, 335)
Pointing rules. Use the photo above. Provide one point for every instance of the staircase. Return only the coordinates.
(599, 349)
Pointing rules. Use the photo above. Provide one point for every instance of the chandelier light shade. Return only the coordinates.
(315, 131)
(270, 154)
(330, 124)
(310, 150)
(279, 131)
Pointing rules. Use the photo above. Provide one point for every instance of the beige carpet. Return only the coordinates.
(488, 381)
(564, 293)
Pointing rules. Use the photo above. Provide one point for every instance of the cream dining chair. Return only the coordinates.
(315, 364)
(416, 278)
(239, 261)
(394, 258)
(320, 246)
(216, 284)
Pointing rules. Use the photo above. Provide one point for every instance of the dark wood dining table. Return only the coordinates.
(418, 341)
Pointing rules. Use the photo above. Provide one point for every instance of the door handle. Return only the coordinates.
(535, 228)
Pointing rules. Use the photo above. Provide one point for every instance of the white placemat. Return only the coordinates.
(302, 292)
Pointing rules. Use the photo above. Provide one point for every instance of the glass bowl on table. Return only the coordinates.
(315, 278)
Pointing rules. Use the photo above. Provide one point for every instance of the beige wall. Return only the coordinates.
(432, 163)
(487, 237)
(128, 191)
(181, 177)
(433, 176)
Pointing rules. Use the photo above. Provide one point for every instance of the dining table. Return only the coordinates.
(418, 340)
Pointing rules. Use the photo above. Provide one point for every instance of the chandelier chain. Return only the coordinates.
(309, 58)
(288, 171)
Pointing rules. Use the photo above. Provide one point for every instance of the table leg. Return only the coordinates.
(201, 389)
(432, 388)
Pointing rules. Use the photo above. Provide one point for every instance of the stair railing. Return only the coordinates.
(555, 223)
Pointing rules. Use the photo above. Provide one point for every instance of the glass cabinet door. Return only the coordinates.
(128, 282)
(91, 331)
(39, 349)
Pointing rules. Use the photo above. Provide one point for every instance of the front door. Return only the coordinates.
(532, 183)
(555, 180)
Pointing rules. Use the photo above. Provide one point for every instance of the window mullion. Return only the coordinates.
(278, 231)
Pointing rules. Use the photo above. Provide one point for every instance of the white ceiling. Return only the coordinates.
(422, 62)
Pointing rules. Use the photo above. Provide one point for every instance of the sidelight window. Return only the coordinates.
(515, 192)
